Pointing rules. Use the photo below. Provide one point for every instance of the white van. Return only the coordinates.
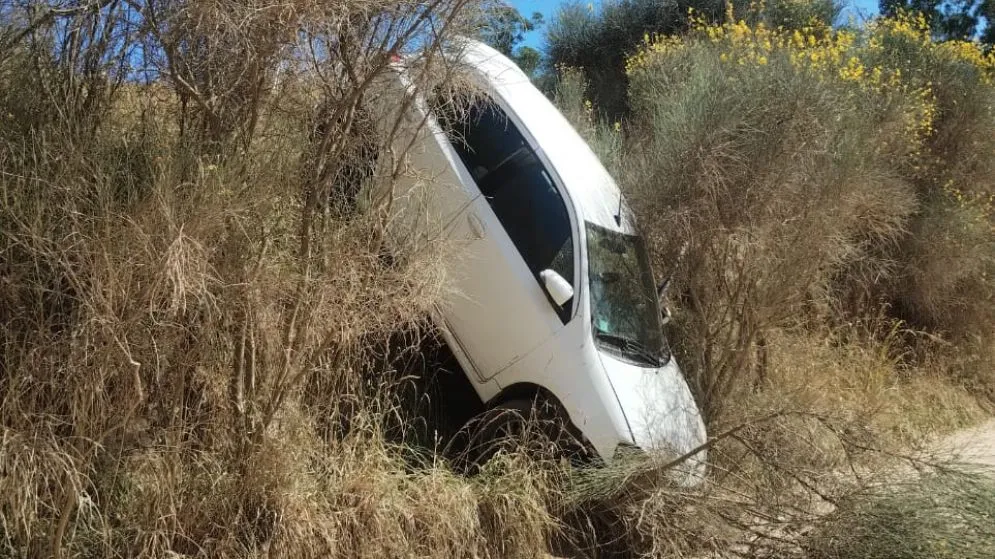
(556, 299)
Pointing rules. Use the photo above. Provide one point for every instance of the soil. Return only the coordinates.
(975, 446)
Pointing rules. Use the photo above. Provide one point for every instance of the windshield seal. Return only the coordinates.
(625, 309)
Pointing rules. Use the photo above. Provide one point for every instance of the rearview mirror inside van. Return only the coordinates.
(559, 289)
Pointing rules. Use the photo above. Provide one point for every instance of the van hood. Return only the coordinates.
(661, 412)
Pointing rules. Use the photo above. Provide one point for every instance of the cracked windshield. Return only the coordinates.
(624, 304)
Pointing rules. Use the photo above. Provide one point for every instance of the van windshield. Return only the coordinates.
(624, 305)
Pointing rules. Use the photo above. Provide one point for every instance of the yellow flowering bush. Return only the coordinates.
(867, 151)
(823, 54)
(857, 57)
(970, 53)
(913, 29)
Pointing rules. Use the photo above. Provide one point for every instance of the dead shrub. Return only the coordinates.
(188, 314)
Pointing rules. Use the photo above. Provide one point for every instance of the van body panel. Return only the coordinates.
(669, 422)
(569, 367)
(498, 311)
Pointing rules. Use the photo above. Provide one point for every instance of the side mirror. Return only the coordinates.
(559, 290)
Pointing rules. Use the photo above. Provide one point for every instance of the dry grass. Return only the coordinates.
(190, 317)
(179, 385)
(198, 322)
(942, 514)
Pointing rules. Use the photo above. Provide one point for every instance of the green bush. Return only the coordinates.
(819, 177)
(779, 175)
(598, 41)
(946, 280)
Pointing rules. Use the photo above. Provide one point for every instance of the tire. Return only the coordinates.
(535, 427)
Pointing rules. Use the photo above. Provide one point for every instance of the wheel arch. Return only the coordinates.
(531, 391)
(527, 391)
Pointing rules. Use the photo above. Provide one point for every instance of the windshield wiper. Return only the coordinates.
(628, 345)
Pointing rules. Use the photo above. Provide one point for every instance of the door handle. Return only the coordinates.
(476, 226)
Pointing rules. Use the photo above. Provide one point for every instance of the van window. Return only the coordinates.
(624, 304)
(517, 186)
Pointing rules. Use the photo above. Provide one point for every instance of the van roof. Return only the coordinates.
(593, 192)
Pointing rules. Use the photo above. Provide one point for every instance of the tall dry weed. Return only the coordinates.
(188, 309)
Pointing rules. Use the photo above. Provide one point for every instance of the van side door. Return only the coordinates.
(517, 227)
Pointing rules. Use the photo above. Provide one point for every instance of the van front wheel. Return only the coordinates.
(534, 427)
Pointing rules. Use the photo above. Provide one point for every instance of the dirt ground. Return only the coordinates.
(973, 446)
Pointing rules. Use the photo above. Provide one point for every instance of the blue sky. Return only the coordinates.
(548, 7)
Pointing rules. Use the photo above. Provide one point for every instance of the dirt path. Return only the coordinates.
(973, 446)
